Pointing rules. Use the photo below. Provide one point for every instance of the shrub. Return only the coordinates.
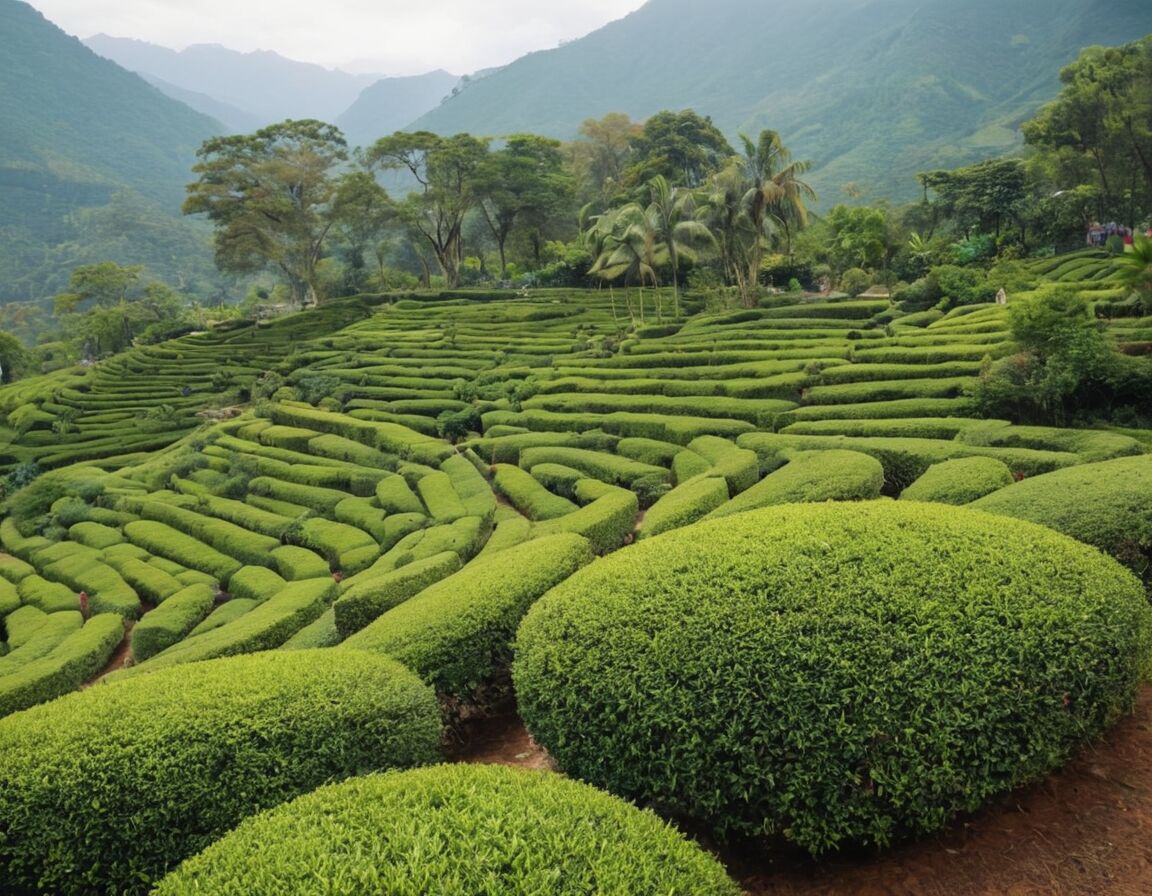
(295, 563)
(321, 633)
(151, 583)
(172, 620)
(395, 496)
(458, 829)
(444, 505)
(457, 633)
(855, 281)
(257, 583)
(528, 495)
(1107, 505)
(51, 597)
(72, 661)
(262, 627)
(164, 541)
(916, 659)
(185, 754)
(94, 535)
(367, 598)
(687, 503)
(739, 466)
(347, 548)
(959, 481)
(607, 519)
(810, 476)
(609, 468)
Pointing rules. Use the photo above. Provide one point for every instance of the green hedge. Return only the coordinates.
(367, 598)
(94, 535)
(607, 520)
(164, 541)
(190, 753)
(263, 627)
(470, 485)
(454, 829)
(610, 468)
(811, 476)
(686, 503)
(72, 661)
(903, 428)
(917, 659)
(224, 614)
(50, 597)
(649, 451)
(152, 584)
(1107, 505)
(172, 620)
(347, 548)
(529, 495)
(959, 481)
(439, 496)
(395, 496)
(739, 467)
(295, 563)
(40, 638)
(257, 583)
(457, 634)
(321, 633)
(9, 597)
(888, 390)
(559, 479)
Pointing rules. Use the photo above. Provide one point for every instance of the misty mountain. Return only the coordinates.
(263, 84)
(391, 103)
(872, 91)
(92, 158)
(235, 121)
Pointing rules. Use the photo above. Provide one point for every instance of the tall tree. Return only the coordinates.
(683, 147)
(269, 195)
(446, 171)
(671, 218)
(601, 155)
(524, 180)
(983, 197)
(364, 215)
(1099, 129)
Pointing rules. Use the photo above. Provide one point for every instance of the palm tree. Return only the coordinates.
(1136, 268)
(624, 244)
(671, 218)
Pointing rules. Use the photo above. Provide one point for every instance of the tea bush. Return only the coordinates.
(959, 481)
(184, 754)
(453, 829)
(832, 673)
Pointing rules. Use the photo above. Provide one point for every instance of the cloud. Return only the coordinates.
(400, 38)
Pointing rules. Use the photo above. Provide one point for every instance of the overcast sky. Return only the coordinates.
(393, 37)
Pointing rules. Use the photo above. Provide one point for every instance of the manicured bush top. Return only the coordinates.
(453, 829)
(104, 790)
(832, 673)
(959, 481)
(1107, 504)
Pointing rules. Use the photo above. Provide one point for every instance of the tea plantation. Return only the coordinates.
(278, 555)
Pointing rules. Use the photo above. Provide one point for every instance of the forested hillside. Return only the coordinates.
(93, 163)
(871, 91)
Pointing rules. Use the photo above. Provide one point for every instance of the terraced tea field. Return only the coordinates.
(459, 455)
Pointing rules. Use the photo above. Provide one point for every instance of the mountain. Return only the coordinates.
(390, 103)
(263, 84)
(93, 163)
(235, 120)
(872, 91)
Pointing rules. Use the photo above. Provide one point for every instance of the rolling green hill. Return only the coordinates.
(83, 138)
(872, 91)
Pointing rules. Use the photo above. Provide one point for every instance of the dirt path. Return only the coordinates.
(1086, 831)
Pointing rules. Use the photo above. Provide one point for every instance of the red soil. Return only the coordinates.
(1086, 831)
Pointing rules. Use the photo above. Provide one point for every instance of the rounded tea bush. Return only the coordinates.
(453, 829)
(105, 790)
(832, 673)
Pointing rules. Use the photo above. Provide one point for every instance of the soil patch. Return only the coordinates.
(1085, 831)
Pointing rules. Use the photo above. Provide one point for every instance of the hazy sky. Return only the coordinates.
(388, 36)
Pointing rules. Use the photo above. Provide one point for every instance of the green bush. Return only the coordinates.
(916, 659)
(438, 495)
(686, 503)
(295, 563)
(41, 633)
(470, 485)
(367, 598)
(172, 620)
(528, 494)
(739, 466)
(347, 548)
(607, 520)
(51, 597)
(151, 583)
(395, 496)
(257, 583)
(164, 541)
(454, 829)
(94, 535)
(959, 481)
(72, 661)
(457, 633)
(263, 627)
(321, 633)
(224, 614)
(610, 468)
(185, 754)
(1107, 505)
(811, 476)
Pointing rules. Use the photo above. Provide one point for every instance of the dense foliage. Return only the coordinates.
(832, 673)
(104, 790)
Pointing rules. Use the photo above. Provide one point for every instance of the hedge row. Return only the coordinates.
(72, 661)
(454, 829)
(529, 495)
(606, 521)
(263, 627)
(193, 751)
(686, 503)
(440, 497)
(811, 476)
(959, 481)
(739, 467)
(164, 541)
(610, 468)
(457, 634)
(917, 659)
(470, 485)
(257, 583)
(367, 597)
(295, 563)
(172, 621)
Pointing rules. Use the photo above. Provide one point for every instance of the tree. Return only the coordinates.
(525, 180)
(446, 171)
(1136, 269)
(858, 237)
(363, 215)
(670, 216)
(13, 358)
(981, 197)
(683, 147)
(624, 244)
(269, 195)
(1098, 131)
(601, 155)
